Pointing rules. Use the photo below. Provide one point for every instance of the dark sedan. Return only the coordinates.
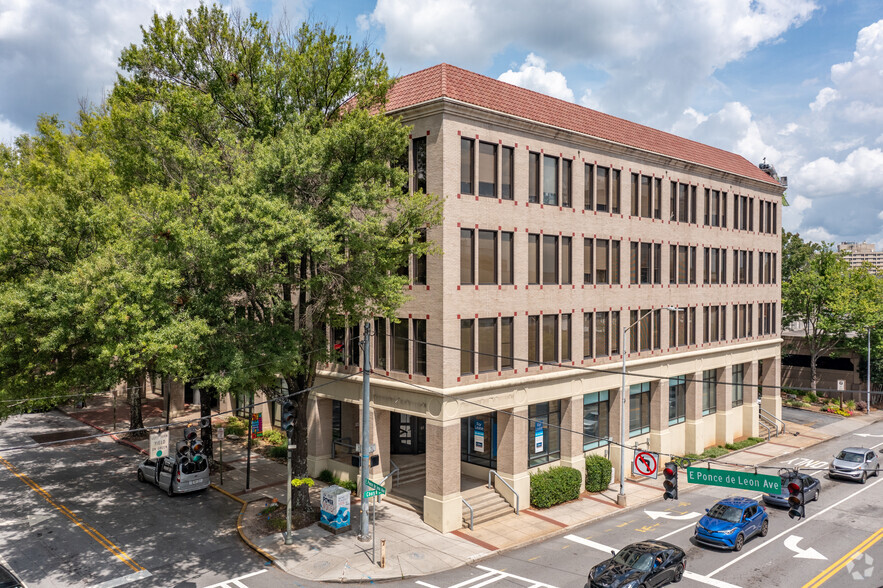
(647, 563)
(812, 489)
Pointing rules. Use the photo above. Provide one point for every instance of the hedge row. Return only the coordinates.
(598, 473)
(554, 486)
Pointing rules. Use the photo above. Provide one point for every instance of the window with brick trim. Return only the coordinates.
(533, 177)
(507, 342)
(550, 259)
(507, 257)
(467, 346)
(614, 333)
(419, 326)
(467, 165)
(550, 180)
(588, 334)
(588, 260)
(657, 263)
(602, 334)
(602, 258)
(507, 185)
(566, 183)
(418, 154)
(566, 260)
(487, 345)
(400, 345)
(614, 261)
(602, 189)
(615, 190)
(566, 338)
(380, 343)
(550, 338)
(467, 256)
(588, 185)
(672, 264)
(419, 261)
(533, 340)
(533, 259)
(487, 169)
(487, 257)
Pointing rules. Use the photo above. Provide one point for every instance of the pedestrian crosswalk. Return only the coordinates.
(490, 577)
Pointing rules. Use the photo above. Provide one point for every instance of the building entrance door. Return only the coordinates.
(407, 434)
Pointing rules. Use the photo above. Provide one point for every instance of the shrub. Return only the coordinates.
(743, 444)
(840, 411)
(850, 404)
(811, 397)
(713, 452)
(326, 476)
(554, 486)
(598, 473)
(861, 406)
(235, 426)
(274, 437)
(278, 451)
(349, 485)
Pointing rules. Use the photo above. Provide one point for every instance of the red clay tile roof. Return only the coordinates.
(465, 86)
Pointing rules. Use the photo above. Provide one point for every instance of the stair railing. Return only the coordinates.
(471, 514)
(492, 473)
(770, 418)
(394, 470)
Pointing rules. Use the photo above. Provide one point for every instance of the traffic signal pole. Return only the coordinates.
(364, 535)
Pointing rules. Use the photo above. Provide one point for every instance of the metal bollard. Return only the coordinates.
(383, 553)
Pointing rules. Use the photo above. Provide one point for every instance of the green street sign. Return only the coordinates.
(377, 488)
(369, 493)
(732, 479)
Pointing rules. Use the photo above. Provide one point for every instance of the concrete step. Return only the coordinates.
(486, 504)
(410, 473)
(408, 502)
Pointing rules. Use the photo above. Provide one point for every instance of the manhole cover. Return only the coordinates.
(63, 436)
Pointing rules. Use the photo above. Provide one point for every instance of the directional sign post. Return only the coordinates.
(375, 489)
(646, 464)
(733, 479)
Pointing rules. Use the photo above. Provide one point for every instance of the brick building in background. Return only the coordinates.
(562, 227)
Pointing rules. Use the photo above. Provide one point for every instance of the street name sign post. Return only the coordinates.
(376, 490)
(733, 479)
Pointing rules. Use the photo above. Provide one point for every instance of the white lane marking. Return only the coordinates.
(490, 577)
(658, 514)
(788, 531)
(532, 583)
(809, 553)
(428, 585)
(123, 580)
(688, 574)
(236, 581)
(867, 435)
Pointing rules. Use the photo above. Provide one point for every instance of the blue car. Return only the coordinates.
(731, 522)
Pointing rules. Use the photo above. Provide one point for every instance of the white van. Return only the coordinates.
(175, 478)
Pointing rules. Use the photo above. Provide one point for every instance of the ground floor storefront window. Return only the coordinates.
(596, 419)
(544, 433)
(478, 440)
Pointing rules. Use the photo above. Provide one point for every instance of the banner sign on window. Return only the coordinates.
(538, 437)
(479, 436)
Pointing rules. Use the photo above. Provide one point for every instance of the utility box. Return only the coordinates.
(335, 515)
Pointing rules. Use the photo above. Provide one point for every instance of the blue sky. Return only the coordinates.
(796, 81)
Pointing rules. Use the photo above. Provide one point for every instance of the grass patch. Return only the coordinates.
(743, 444)
(721, 450)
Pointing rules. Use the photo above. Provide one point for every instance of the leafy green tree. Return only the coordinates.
(796, 254)
(292, 215)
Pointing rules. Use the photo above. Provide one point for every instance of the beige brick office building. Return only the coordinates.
(562, 227)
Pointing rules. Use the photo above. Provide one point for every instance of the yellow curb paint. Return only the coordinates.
(245, 539)
(88, 529)
(841, 563)
(227, 494)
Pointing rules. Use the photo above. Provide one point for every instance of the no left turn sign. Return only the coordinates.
(646, 464)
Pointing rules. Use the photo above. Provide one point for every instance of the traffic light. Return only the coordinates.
(288, 417)
(796, 499)
(190, 433)
(671, 481)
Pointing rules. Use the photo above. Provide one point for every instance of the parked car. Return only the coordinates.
(8, 579)
(731, 522)
(174, 477)
(812, 488)
(647, 563)
(855, 463)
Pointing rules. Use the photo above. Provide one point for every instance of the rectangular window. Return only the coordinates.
(646, 262)
(588, 334)
(657, 198)
(602, 193)
(672, 264)
(636, 196)
(639, 409)
(614, 190)
(533, 340)
(420, 262)
(692, 264)
(544, 433)
(709, 392)
(706, 258)
(723, 209)
(682, 326)
(601, 275)
(566, 183)
(550, 180)
(487, 345)
(533, 259)
(507, 257)
(738, 384)
(633, 262)
(588, 184)
(588, 256)
(677, 400)
(467, 256)
(467, 165)
(566, 260)
(693, 204)
(419, 346)
(683, 203)
(566, 340)
(507, 340)
(633, 333)
(673, 202)
(683, 265)
(596, 419)
(380, 343)
(487, 169)
(691, 326)
(467, 346)
(751, 214)
(614, 261)
(646, 330)
(533, 177)
(657, 263)
(646, 196)
(487, 257)
(706, 215)
(418, 151)
(775, 219)
(550, 338)
(353, 350)
(657, 329)
(507, 186)
(550, 259)
(614, 333)
(601, 334)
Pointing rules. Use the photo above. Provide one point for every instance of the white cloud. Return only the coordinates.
(860, 78)
(532, 75)
(8, 131)
(823, 98)
(861, 171)
(789, 129)
(817, 234)
(589, 100)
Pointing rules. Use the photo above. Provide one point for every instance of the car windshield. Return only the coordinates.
(725, 513)
(632, 558)
(849, 456)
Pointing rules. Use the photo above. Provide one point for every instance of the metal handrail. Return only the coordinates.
(764, 425)
(489, 485)
(337, 442)
(471, 514)
(394, 470)
(771, 417)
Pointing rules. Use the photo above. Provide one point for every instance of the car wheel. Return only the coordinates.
(765, 528)
(141, 476)
(864, 477)
(816, 497)
(876, 471)
(170, 492)
(740, 541)
(679, 573)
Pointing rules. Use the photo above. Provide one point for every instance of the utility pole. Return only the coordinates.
(366, 433)
(869, 370)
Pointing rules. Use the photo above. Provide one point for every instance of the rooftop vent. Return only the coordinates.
(771, 172)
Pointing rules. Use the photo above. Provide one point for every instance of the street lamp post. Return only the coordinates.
(869, 370)
(625, 395)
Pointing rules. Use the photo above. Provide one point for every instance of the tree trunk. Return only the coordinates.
(205, 412)
(300, 495)
(133, 397)
(814, 372)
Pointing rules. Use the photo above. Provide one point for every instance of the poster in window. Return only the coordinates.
(538, 437)
(479, 436)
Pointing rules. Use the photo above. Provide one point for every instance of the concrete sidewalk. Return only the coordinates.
(412, 547)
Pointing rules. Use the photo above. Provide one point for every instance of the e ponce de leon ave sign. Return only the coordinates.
(732, 479)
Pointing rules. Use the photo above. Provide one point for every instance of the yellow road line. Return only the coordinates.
(88, 529)
(841, 563)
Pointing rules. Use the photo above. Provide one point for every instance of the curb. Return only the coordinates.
(227, 494)
(242, 536)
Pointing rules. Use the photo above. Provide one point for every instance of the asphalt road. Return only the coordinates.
(810, 418)
(75, 515)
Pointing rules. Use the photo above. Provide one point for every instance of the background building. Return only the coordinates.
(562, 227)
(859, 253)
